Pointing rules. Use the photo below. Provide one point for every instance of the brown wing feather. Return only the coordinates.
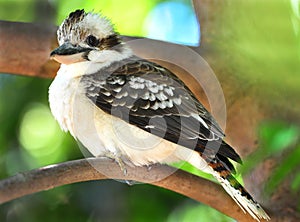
(154, 99)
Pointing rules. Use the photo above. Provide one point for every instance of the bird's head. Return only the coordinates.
(84, 37)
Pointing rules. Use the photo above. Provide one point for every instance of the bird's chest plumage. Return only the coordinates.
(75, 112)
(61, 96)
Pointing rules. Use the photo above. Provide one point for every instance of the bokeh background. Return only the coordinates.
(30, 138)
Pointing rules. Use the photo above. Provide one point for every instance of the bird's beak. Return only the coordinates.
(68, 53)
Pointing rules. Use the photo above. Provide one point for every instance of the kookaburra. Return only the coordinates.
(133, 110)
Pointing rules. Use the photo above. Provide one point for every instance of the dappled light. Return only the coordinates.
(40, 135)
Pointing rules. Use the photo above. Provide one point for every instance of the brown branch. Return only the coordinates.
(25, 49)
(179, 181)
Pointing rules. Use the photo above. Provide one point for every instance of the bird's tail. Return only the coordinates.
(236, 190)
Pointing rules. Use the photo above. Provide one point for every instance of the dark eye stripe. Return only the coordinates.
(92, 41)
(110, 42)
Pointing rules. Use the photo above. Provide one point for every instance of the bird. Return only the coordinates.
(133, 110)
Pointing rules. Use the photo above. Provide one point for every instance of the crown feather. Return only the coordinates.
(79, 24)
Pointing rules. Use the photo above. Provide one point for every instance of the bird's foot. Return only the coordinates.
(118, 159)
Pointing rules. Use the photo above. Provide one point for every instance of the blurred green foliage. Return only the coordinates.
(278, 139)
(127, 22)
(17, 10)
(260, 45)
(190, 212)
(30, 137)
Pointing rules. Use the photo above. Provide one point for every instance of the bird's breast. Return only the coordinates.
(61, 92)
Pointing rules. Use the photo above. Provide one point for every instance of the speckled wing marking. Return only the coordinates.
(154, 99)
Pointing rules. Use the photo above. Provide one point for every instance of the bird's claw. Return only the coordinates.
(118, 160)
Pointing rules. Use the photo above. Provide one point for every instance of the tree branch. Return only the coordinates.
(25, 49)
(181, 182)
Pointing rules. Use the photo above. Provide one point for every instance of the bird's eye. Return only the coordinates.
(92, 41)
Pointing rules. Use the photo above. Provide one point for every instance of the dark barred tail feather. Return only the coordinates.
(235, 189)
